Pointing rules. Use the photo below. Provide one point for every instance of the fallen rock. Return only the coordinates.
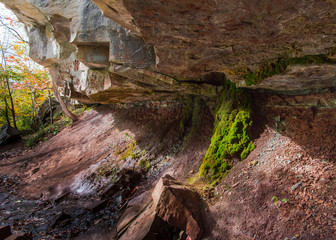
(61, 219)
(179, 206)
(5, 231)
(148, 226)
(8, 134)
(97, 206)
(172, 211)
(134, 208)
(20, 236)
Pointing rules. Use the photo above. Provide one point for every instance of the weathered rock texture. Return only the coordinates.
(172, 207)
(46, 111)
(125, 50)
(179, 206)
(8, 134)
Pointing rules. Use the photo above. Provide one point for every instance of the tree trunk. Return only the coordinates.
(6, 85)
(33, 99)
(64, 107)
(51, 110)
(6, 112)
(6, 104)
(55, 75)
(12, 102)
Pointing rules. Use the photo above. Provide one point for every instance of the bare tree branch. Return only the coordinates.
(13, 32)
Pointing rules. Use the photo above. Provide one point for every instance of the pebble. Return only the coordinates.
(295, 186)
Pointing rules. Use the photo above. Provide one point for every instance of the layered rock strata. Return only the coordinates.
(111, 51)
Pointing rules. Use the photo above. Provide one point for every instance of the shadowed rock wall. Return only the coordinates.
(125, 50)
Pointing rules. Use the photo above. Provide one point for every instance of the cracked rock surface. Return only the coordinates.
(125, 51)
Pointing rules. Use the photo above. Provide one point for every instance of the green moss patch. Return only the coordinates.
(279, 66)
(145, 165)
(231, 133)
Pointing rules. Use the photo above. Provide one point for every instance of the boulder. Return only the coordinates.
(8, 134)
(61, 218)
(20, 236)
(179, 206)
(43, 115)
(148, 226)
(135, 207)
(5, 231)
(172, 211)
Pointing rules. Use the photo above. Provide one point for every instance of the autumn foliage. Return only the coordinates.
(24, 85)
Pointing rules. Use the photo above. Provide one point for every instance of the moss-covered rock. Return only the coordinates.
(279, 66)
(231, 133)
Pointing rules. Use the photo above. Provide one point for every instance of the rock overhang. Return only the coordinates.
(154, 49)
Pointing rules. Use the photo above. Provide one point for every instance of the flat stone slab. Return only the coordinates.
(5, 231)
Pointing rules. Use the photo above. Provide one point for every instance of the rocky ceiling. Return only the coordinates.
(128, 50)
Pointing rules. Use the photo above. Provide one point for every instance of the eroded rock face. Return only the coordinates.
(94, 58)
(195, 37)
(125, 50)
(171, 209)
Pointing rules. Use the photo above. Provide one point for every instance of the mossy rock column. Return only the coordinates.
(231, 133)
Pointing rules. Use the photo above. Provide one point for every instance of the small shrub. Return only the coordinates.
(29, 142)
(67, 121)
(33, 139)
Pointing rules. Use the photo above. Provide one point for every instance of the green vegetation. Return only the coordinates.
(24, 85)
(47, 130)
(145, 165)
(231, 133)
(132, 152)
(278, 66)
(275, 200)
(128, 151)
(42, 134)
(107, 169)
(82, 108)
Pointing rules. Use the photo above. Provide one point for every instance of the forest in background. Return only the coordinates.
(24, 85)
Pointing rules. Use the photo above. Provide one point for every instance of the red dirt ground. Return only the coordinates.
(285, 189)
(278, 192)
(50, 168)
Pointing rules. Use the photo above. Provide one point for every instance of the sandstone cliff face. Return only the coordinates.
(125, 50)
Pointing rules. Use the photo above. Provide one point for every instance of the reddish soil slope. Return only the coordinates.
(285, 189)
